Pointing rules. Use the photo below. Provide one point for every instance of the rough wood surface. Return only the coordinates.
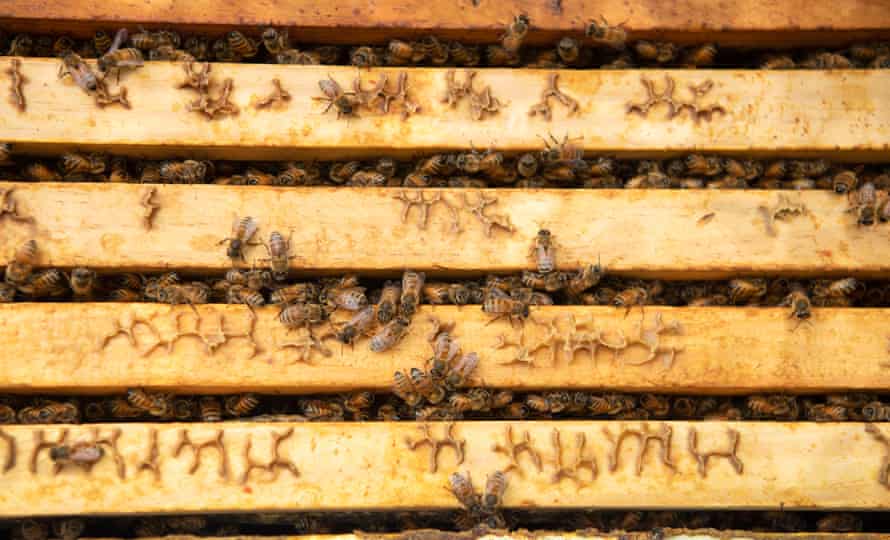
(724, 350)
(371, 466)
(746, 22)
(846, 113)
(652, 233)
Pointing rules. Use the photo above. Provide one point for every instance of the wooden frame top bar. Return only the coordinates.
(844, 115)
(716, 351)
(206, 467)
(647, 233)
(744, 22)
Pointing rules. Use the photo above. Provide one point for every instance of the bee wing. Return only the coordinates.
(250, 227)
(119, 38)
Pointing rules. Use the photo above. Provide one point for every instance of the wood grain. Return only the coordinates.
(804, 113)
(745, 22)
(724, 351)
(369, 466)
(649, 233)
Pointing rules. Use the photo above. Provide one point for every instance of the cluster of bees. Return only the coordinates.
(441, 402)
(603, 45)
(558, 165)
(395, 522)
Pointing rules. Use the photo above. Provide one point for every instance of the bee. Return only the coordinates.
(297, 293)
(358, 401)
(297, 57)
(185, 293)
(279, 249)
(774, 406)
(19, 269)
(537, 403)
(746, 291)
(464, 55)
(62, 45)
(319, 409)
(295, 176)
(365, 57)
(874, 411)
(435, 50)
(298, 315)
(569, 50)
(69, 528)
(7, 414)
(50, 412)
(701, 55)
(239, 294)
(82, 282)
(404, 389)
(359, 324)
(101, 41)
(21, 45)
(501, 305)
(399, 53)
(7, 293)
(184, 409)
(588, 277)
(118, 170)
(630, 297)
(808, 169)
(241, 45)
(48, 283)
(746, 170)
(658, 406)
(799, 302)
(844, 182)
(340, 173)
(826, 60)
(819, 412)
(186, 524)
(684, 407)
(210, 409)
(704, 165)
(412, 291)
(390, 298)
(461, 372)
(275, 41)
(661, 52)
(348, 298)
(495, 486)
(183, 172)
(119, 58)
(512, 39)
(461, 487)
(427, 387)
(242, 231)
(527, 165)
(840, 522)
(390, 334)
(40, 172)
(543, 252)
(154, 285)
(777, 61)
(82, 454)
(346, 103)
(81, 73)
(154, 403)
(864, 201)
(196, 47)
(257, 279)
(121, 408)
(612, 36)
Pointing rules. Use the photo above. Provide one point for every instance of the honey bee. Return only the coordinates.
(48, 283)
(101, 41)
(240, 45)
(183, 172)
(461, 372)
(358, 401)
(844, 182)
(318, 409)
(704, 165)
(365, 57)
(81, 73)
(612, 36)
(154, 285)
(30, 529)
(295, 176)
(7, 292)
(275, 41)
(819, 412)
(874, 411)
(390, 298)
(495, 486)
(404, 389)
(197, 48)
(516, 31)
(588, 277)
(426, 386)
(19, 269)
(340, 173)
(185, 293)
(684, 407)
(257, 279)
(346, 103)
(701, 55)
(537, 403)
(62, 45)
(279, 249)
(658, 406)
(746, 291)
(774, 406)
(464, 55)
(630, 297)
(21, 45)
(864, 202)
(154, 403)
(186, 524)
(839, 522)
(543, 252)
(659, 51)
(297, 293)
(121, 408)
(256, 177)
(69, 528)
(412, 292)
(82, 454)
(348, 298)
(50, 412)
(569, 50)
(238, 294)
(7, 414)
(40, 172)
(360, 324)
(184, 409)
(400, 53)
(150, 40)
(242, 231)
(826, 60)
(807, 169)
(799, 302)
(82, 282)
(390, 334)
(297, 57)
(119, 58)
(210, 409)
(462, 488)
(501, 305)
(777, 61)
(298, 315)
(386, 166)
(527, 165)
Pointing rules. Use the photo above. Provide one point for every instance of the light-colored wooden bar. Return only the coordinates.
(845, 113)
(746, 22)
(651, 233)
(370, 466)
(61, 348)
